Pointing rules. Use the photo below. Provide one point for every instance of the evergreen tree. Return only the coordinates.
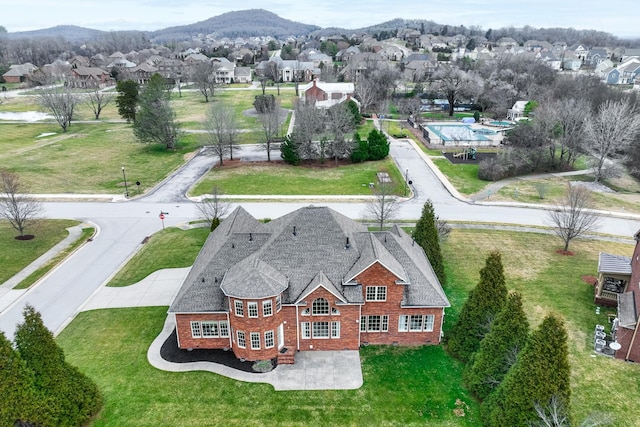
(289, 151)
(354, 110)
(155, 120)
(68, 396)
(426, 235)
(498, 349)
(17, 392)
(541, 374)
(484, 303)
(361, 151)
(378, 145)
(127, 99)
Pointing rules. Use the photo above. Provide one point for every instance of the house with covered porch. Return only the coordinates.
(619, 286)
(310, 280)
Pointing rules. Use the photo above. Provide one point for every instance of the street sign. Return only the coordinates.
(161, 216)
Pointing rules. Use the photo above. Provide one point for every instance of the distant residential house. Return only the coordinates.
(326, 95)
(345, 55)
(630, 53)
(19, 73)
(195, 58)
(311, 280)
(243, 75)
(601, 67)
(225, 70)
(88, 77)
(596, 56)
(121, 63)
(579, 50)
(506, 42)
(611, 76)
(142, 73)
(391, 53)
(571, 62)
(537, 46)
(79, 61)
(629, 70)
(418, 70)
(517, 111)
(550, 59)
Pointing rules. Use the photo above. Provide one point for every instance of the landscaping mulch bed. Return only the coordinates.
(590, 280)
(171, 353)
(460, 160)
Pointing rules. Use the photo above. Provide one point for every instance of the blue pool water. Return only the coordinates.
(456, 133)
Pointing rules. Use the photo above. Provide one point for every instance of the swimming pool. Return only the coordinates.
(501, 123)
(456, 133)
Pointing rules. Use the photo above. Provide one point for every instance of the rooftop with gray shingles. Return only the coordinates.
(249, 259)
(608, 263)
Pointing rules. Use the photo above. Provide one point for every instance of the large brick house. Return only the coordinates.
(310, 280)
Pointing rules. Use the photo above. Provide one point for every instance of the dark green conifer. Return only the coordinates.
(498, 349)
(478, 312)
(541, 374)
(426, 235)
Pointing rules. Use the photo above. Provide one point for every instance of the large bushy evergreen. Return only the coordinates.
(478, 312)
(68, 397)
(17, 392)
(289, 151)
(127, 99)
(155, 120)
(540, 374)
(426, 235)
(378, 145)
(361, 151)
(498, 349)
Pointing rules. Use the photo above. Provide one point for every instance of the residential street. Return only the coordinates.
(123, 225)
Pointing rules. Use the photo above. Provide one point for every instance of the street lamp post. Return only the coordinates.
(406, 182)
(126, 189)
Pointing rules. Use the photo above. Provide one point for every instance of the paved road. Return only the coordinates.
(123, 226)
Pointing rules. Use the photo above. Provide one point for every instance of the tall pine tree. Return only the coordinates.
(540, 375)
(498, 349)
(426, 235)
(478, 312)
(69, 398)
(17, 393)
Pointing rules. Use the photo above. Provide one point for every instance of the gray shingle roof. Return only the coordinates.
(608, 263)
(296, 253)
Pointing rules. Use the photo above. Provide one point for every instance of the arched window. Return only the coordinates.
(320, 306)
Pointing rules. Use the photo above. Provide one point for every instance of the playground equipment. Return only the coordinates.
(466, 154)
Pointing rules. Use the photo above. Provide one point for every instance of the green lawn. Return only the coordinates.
(462, 176)
(551, 282)
(88, 158)
(279, 178)
(169, 248)
(402, 386)
(17, 254)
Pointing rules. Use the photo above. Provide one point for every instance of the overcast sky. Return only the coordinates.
(621, 17)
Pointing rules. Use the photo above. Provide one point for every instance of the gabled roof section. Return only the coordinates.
(253, 278)
(321, 280)
(618, 264)
(373, 251)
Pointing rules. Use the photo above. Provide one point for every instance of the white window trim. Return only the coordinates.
(376, 293)
(244, 339)
(220, 323)
(327, 305)
(266, 303)
(305, 330)
(215, 326)
(239, 307)
(324, 337)
(254, 305)
(335, 326)
(251, 336)
(266, 340)
(196, 325)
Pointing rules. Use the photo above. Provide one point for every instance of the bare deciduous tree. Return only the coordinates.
(61, 102)
(212, 207)
(221, 130)
(97, 100)
(338, 124)
(16, 207)
(574, 217)
(610, 131)
(203, 75)
(554, 414)
(270, 121)
(453, 83)
(384, 206)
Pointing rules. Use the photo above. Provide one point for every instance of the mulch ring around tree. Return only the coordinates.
(171, 353)
(25, 237)
(450, 152)
(565, 253)
(590, 280)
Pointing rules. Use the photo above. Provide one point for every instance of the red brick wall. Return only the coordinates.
(348, 318)
(259, 324)
(314, 92)
(625, 336)
(377, 275)
(185, 339)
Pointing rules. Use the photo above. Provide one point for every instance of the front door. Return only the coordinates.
(280, 336)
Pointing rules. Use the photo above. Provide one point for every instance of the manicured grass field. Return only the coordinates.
(17, 254)
(169, 248)
(463, 177)
(88, 158)
(283, 179)
(402, 386)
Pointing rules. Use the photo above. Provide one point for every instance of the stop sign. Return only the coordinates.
(161, 216)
